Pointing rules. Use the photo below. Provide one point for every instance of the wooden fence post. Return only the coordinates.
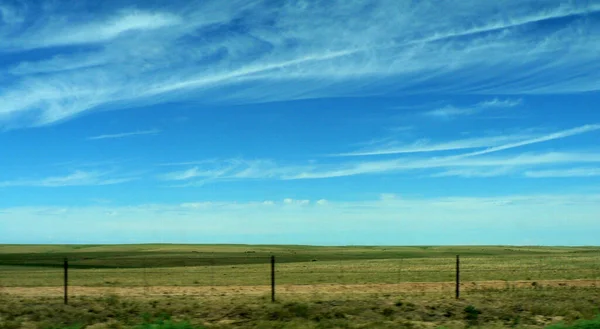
(66, 272)
(273, 279)
(457, 276)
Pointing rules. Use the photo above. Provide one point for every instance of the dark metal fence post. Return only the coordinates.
(272, 278)
(145, 277)
(457, 277)
(66, 270)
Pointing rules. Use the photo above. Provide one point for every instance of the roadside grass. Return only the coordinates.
(530, 308)
(581, 324)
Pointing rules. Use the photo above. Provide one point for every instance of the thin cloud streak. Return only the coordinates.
(231, 169)
(452, 111)
(497, 143)
(77, 178)
(546, 138)
(399, 165)
(475, 172)
(564, 173)
(129, 134)
(425, 146)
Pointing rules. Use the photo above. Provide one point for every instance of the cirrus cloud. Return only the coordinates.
(211, 52)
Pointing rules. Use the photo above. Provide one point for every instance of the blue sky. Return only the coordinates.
(302, 122)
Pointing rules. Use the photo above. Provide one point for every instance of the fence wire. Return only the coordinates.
(199, 274)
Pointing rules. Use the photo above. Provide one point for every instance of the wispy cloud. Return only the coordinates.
(487, 166)
(490, 143)
(425, 145)
(501, 103)
(475, 172)
(230, 169)
(59, 33)
(471, 164)
(57, 63)
(196, 172)
(476, 164)
(541, 139)
(290, 201)
(128, 134)
(564, 173)
(450, 111)
(77, 178)
(189, 163)
(199, 52)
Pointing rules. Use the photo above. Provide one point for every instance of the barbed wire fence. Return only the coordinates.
(209, 274)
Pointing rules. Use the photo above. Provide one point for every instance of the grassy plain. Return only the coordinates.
(222, 286)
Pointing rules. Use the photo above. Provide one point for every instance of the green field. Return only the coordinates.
(319, 278)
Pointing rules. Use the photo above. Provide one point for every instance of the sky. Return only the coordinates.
(300, 122)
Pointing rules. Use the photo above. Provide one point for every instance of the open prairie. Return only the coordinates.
(509, 286)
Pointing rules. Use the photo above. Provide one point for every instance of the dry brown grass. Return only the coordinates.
(534, 307)
(346, 289)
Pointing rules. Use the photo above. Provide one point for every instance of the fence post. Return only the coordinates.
(145, 277)
(273, 278)
(457, 276)
(66, 272)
